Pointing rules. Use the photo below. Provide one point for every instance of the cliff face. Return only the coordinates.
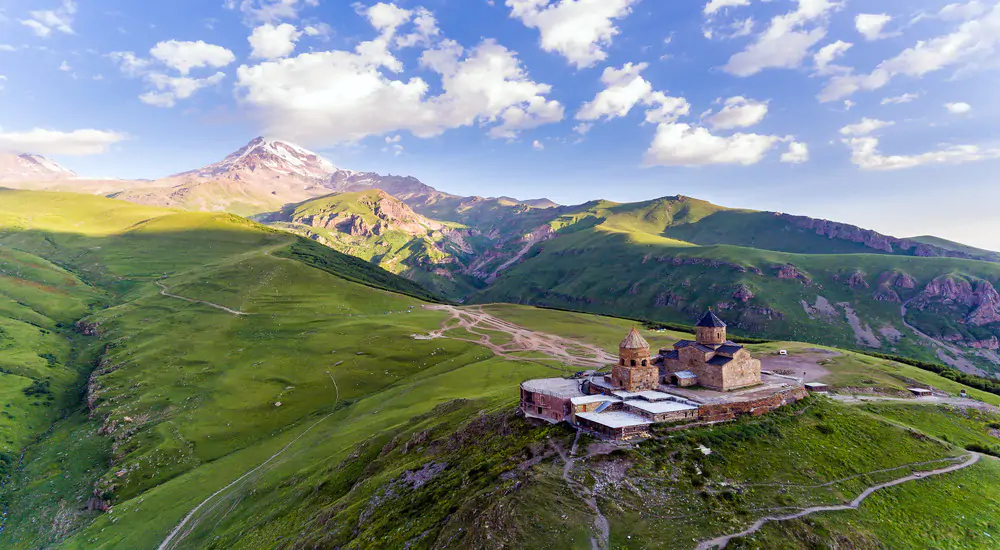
(873, 239)
(977, 297)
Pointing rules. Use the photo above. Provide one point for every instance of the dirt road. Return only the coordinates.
(961, 402)
(723, 541)
(557, 348)
(164, 291)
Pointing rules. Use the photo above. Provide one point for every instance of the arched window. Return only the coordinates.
(622, 362)
(633, 362)
(644, 363)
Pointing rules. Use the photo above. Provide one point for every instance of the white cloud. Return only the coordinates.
(273, 42)
(393, 139)
(797, 153)
(583, 128)
(871, 25)
(576, 29)
(64, 67)
(184, 56)
(865, 127)
(270, 11)
(716, 5)
(848, 104)
(865, 155)
(827, 54)
(171, 89)
(678, 144)
(963, 12)
(321, 30)
(899, 99)
(7, 48)
(537, 146)
(43, 22)
(2, 80)
(51, 142)
(787, 40)
(738, 112)
(973, 39)
(487, 86)
(958, 108)
(624, 89)
(130, 64)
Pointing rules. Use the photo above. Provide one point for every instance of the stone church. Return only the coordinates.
(711, 360)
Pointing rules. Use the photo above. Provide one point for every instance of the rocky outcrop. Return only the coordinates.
(789, 271)
(857, 280)
(978, 298)
(897, 279)
(743, 294)
(873, 239)
(886, 294)
(715, 264)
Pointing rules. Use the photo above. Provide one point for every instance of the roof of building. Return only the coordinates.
(653, 396)
(672, 354)
(719, 360)
(588, 399)
(700, 347)
(729, 349)
(920, 391)
(710, 320)
(634, 340)
(660, 407)
(615, 419)
(685, 375)
(556, 387)
(626, 395)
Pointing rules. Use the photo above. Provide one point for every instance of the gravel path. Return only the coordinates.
(564, 350)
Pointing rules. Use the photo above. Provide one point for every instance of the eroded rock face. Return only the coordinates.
(873, 239)
(789, 271)
(743, 294)
(857, 280)
(885, 294)
(979, 296)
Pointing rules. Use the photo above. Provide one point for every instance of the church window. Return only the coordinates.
(633, 362)
(644, 363)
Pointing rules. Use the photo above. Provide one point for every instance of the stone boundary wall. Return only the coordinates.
(759, 407)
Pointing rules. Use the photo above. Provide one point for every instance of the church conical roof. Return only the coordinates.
(710, 320)
(634, 340)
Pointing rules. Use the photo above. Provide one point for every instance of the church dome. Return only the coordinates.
(634, 340)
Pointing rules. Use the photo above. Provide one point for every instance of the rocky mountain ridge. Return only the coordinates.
(27, 167)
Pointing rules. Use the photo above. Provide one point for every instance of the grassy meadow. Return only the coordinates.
(262, 391)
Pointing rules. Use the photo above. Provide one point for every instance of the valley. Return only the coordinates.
(346, 376)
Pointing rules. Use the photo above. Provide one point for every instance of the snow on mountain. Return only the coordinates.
(263, 157)
(27, 167)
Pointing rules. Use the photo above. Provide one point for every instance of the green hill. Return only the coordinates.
(248, 388)
(957, 247)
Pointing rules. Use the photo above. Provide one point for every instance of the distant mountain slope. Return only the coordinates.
(26, 167)
(377, 227)
(938, 242)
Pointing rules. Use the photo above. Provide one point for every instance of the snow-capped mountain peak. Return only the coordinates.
(269, 157)
(25, 167)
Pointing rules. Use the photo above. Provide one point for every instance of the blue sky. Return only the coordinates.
(874, 113)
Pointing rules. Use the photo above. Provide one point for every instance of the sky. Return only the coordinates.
(879, 113)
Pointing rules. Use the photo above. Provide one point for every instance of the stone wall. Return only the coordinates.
(555, 409)
(636, 378)
(758, 407)
(743, 371)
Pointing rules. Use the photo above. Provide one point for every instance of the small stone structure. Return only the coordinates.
(635, 370)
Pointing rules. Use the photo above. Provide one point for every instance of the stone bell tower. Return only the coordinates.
(635, 370)
(710, 330)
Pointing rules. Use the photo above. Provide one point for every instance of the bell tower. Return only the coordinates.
(635, 370)
(710, 330)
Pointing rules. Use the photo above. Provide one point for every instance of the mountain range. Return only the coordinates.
(776, 275)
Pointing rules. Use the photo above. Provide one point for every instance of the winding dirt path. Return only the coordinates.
(190, 523)
(570, 352)
(723, 541)
(164, 291)
(601, 524)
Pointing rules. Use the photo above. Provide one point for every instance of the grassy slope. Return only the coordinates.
(199, 387)
(957, 247)
(603, 270)
(425, 258)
